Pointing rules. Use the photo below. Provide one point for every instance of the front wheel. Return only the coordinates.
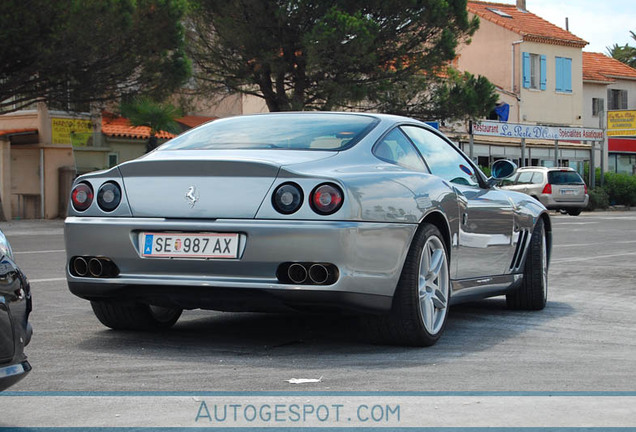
(136, 316)
(421, 299)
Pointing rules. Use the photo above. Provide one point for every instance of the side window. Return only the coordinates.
(395, 148)
(524, 177)
(442, 158)
(534, 68)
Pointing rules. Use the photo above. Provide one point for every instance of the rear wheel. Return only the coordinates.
(421, 300)
(533, 292)
(136, 316)
(574, 212)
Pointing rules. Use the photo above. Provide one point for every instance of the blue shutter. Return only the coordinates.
(526, 70)
(544, 72)
(563, 74)
(558, 73)
(567, 75)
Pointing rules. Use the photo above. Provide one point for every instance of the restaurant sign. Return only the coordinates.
(621, 123)
(515, 130)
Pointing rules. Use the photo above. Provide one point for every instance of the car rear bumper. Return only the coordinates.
(368, 258)
(550, 202)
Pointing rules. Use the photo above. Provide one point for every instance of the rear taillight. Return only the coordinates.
(82, 196)
(287, 198)
(585, 186)
(109, 196)
(547, 189)
(326, 199)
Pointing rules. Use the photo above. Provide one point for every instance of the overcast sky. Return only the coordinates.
(600, 22)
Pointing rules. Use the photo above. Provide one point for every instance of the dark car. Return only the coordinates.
(15, 330)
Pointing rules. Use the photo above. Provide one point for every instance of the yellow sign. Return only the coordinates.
(621, 123)
(71, 131)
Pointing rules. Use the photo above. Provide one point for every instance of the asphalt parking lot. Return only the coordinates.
(585, 340)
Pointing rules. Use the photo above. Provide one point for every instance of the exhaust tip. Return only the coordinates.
(319, 274)
(80, 266)
(297, 273)
(95, 267)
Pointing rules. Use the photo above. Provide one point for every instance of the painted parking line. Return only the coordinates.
(38, 252)
(596, 257)
(47, 280)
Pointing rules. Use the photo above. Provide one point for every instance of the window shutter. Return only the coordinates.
(623, 97)
(543, 72)
(526, 70)
(558, 63)
(567, 75)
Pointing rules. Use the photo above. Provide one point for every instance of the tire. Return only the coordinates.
(533, 292)
(137, 316)
(574, 212)
(421, 300)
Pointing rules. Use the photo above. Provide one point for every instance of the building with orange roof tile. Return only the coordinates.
(610, 86)
(42, 150)
(536, 67)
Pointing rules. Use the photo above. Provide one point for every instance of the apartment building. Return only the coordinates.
(537, 68)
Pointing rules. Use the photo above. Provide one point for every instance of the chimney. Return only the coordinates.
(521, 5)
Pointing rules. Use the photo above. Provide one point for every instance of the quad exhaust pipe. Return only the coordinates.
(97, 267)
(80, 266)
(307, 273)
(319, 274)
(297, 273)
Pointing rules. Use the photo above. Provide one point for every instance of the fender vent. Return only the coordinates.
(522, 241)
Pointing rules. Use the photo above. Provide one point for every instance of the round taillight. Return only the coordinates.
(326, 199)
(82, 196)
(287, 198)
(109, 196)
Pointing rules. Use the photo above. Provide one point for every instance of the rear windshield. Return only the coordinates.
(564, 177)
(298, 131)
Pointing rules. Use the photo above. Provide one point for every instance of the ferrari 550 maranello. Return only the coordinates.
(370, 213)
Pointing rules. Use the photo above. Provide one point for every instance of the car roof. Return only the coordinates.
(541, 168)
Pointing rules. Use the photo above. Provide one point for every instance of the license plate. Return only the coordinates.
(11, 370)
(189, 245)
(568, 191)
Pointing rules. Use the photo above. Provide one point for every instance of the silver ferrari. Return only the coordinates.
(376, 214)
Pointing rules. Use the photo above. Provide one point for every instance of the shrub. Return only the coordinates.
(599, 199)
(621, 189)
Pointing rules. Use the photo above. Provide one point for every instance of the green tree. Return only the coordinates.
(73, 52)
(157, 116)
(307, 54)
(624, 53)
(450, 95)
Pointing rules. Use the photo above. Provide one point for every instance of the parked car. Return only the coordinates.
(557, 188)
(15, 329)
(376, 214)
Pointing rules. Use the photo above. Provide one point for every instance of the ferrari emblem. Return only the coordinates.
(192, 196)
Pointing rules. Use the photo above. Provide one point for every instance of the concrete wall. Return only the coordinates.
(54, 159)
(229, 105)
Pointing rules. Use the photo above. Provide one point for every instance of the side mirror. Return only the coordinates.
(500, 170)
